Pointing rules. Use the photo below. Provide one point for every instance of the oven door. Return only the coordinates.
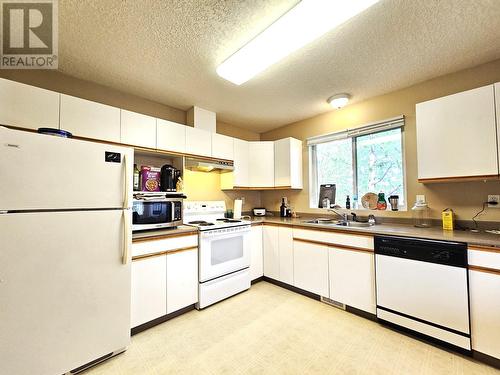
(223, 251)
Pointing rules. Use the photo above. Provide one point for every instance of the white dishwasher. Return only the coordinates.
(422, 286)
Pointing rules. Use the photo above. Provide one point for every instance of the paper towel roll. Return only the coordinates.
(238, 205)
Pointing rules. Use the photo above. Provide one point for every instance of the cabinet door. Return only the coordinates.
(182, 279)
(310, 267)
(261, 164)
(198, 142)
(28, 106)
(222, 146)
(285, 243)
(485, 312)
(90, 119)
(138, 129)
(288, 163)
(497, 103)
(271, 251)
(256, 261)
(149, 289)
(456, 135)
(241, 160)
(170, 136)
(352, 278)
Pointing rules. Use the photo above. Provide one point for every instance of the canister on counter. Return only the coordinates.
(447, 216)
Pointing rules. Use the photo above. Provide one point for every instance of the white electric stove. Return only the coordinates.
(224, 251)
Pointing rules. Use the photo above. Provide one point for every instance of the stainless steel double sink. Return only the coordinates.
(337, 223)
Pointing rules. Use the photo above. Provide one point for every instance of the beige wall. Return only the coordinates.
(465, 198)
(206, 186)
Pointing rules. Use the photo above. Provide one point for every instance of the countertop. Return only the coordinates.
(405, 230)
(164, 233)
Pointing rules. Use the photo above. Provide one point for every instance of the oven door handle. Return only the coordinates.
(223, 236)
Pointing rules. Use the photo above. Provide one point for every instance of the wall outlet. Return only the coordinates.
(420, 198)
(494, 198)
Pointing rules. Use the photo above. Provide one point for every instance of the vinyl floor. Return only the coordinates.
(270, 330)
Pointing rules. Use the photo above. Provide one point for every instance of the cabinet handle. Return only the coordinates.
(126, 199)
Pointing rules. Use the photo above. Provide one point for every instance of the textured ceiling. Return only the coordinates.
(167, 51)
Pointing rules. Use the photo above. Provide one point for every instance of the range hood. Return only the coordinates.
(208, 165)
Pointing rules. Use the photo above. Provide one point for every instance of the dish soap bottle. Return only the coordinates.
(381, 202)
(348, 203)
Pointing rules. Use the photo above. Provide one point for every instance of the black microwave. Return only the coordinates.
(156, 211)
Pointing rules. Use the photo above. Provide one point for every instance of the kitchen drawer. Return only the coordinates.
(152, 246)
(334, 238)
(484, 257)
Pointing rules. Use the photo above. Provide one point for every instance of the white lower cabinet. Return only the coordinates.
(257, 256)
(278, 253)
(182, 279)
(484, 289)
(352, 278)
(310, 271)
(164, 277)
(149, 289)
(271, 251)
(285, 245)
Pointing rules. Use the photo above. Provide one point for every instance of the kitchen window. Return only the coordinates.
(358, 161)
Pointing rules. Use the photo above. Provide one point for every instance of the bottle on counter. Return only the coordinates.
(381, 202)
(348, 203)
(283, 208)
(355, 202)
(137, 183)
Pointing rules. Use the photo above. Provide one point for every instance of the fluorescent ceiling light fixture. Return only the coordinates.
(302, 24)
(339, 100)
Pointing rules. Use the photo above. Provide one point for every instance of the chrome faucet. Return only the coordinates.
(340, 214)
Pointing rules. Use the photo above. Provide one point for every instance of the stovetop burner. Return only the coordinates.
(198, 222)
(205, 224)
(229, 220)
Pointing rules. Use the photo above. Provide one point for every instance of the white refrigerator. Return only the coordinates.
(64, 252)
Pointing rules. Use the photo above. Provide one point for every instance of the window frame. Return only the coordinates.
(313, 164)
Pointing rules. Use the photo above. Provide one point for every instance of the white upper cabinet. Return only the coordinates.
(138, 129)
(222, 146)
(497, 103)
(27, 106)
(90, 119)
(456, 135)
(288, 163)
(261, 164)
(170, 136)
(241, 163)
(202, 119)
(198, 141)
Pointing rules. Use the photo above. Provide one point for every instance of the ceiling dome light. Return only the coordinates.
(339, 100)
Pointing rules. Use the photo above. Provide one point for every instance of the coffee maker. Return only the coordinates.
(169, 177)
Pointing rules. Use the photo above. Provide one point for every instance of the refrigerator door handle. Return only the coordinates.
(126, 230)
(126, 200)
